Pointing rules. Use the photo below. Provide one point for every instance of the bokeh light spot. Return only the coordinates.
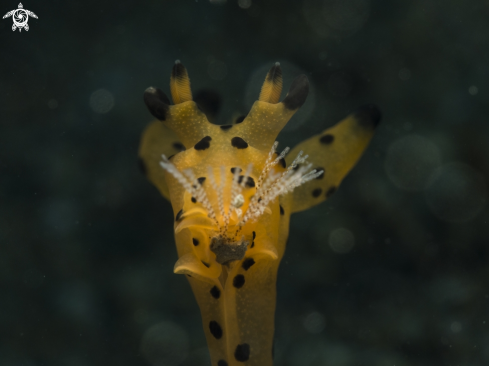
(341, 240)
(244, 4)
(457, 194)
(314, 322)
(165, 344)
(473, 90)
(102, 101)
(411, 161)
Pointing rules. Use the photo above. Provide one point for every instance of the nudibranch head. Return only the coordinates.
(225, 182)
(228, 207)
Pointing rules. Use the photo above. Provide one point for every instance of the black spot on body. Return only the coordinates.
(225, 127)
(330, 192)
(234, 170)
(222, 363)
(297, 94)
(282, 162)
(239, 143)
(201, 180)
(282, 212)
(297, 167)
(318, 169)
(203, 144)
(195, 242)
(157, 102)
(240, 119)
(254, 235)
(171, 156)
(215, 329)
(242, 352)
(250, 182)
(247, 263)
(142, 166)
(178, 146)
(179, 215)
(326, 139)
(206, 264)
(252, 244)
(317, 192)
(368, 116)
(215, 292)
(194, 200)
(238, 281)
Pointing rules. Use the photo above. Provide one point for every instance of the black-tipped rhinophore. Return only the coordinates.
(157, 102)
(297, 94)
(178, 70)
(368, 115)
(275, 72)
(209, 102)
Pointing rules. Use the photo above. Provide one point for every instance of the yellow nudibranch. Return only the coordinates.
(232, 195)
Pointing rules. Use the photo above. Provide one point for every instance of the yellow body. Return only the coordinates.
(237, 296)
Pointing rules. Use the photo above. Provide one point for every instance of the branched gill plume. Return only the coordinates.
(269, 186)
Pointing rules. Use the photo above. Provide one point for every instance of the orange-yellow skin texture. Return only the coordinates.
(244, 314)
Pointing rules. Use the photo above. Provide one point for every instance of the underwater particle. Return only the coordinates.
(340, 84)
(218, 2)
(473, 90)
(456, 327)
(165, 344)
(102, 101)
(457, 194)
(404, 74)
(244, 4)
(341, 240)
(323, 55)
(314, 322)
(217, 70)
(411, 161)
(52, 104)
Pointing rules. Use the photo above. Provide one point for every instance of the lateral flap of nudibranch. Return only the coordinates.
(191, 265)
(335, 151)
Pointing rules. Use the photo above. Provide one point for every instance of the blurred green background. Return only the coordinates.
(392, 270)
